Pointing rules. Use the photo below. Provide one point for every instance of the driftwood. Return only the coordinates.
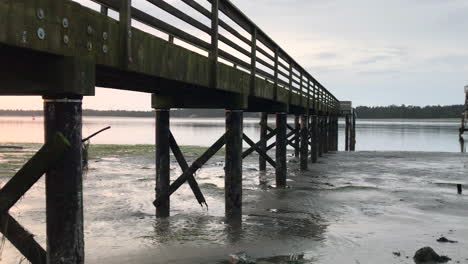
(184, 166)
(95, 134)
(191, 170)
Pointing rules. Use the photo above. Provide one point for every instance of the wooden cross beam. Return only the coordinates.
(191, 170)
(252, 148)
(17, 186)
(292, 133)
(184, 166)
(259, 150)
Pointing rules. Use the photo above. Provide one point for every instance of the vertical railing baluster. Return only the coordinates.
(104, 10)
(290, 81)
(125, 24)
(301, 93)
(276, 73)
(253, 60)
(214, 42)
(308, 94)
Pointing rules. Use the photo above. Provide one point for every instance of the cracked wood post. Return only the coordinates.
(263, 139)
(64, 191)
(233, 167)
(304, 142)
(162, 161)
(297, 128)
(314, 139)
(281, 141)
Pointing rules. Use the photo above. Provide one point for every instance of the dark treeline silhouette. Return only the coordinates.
(409, 111)
(123, 113)
(392, 111)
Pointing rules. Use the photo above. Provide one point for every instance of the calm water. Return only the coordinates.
(351, 207)
(394, 135)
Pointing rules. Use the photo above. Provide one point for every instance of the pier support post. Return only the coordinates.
(347, 129)
(353, 133)
(337, 133)
(304, 153)
(326, 135)
(64, 191)
(263, 135)
(233, 167)
(163, 169)
(320, 135)
(281, 143)
(314, 140)
(297, 127)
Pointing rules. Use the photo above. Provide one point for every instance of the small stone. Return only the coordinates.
(428, 255)
(396, 253)
(445, 240)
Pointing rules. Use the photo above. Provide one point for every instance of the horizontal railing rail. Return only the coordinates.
(232, 38)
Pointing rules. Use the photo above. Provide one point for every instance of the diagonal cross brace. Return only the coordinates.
(292, 133)
(259, 151)
(191, 170)
(252, 148)
(17, 186)
(184, 166)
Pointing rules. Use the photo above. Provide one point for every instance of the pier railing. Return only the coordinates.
(231, 38)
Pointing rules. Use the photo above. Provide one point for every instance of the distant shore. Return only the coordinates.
(363, 112)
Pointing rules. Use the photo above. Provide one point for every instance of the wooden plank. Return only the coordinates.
(32, 171)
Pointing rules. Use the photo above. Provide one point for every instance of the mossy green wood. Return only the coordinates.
(85, 29)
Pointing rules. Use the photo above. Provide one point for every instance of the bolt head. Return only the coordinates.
(41, 33)
(24, 38)
(40, 13)
(105, 49)
(65, 23)
(66, 40)
(89, 46)
(90, 30)
(105, 35)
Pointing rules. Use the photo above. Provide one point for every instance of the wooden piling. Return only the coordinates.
(459, 189)
(263, 135)
(304, 153)
(64, 191)
(297, 135)
(233, 167)
(281, 141)
(337, 133)
(320, 136)
(326, 134)
(314, 140)
(352, 146)
(347, 130)
(162, 160)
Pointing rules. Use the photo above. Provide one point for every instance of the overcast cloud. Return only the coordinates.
(373, 52)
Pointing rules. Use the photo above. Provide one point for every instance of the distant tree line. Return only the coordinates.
(124, 113)
(409, 111)
(392, 111)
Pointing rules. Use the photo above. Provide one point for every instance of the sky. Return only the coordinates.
(372, 52)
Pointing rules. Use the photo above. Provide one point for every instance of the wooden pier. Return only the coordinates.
(61, 51)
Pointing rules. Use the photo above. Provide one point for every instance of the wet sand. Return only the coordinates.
(349, 208)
